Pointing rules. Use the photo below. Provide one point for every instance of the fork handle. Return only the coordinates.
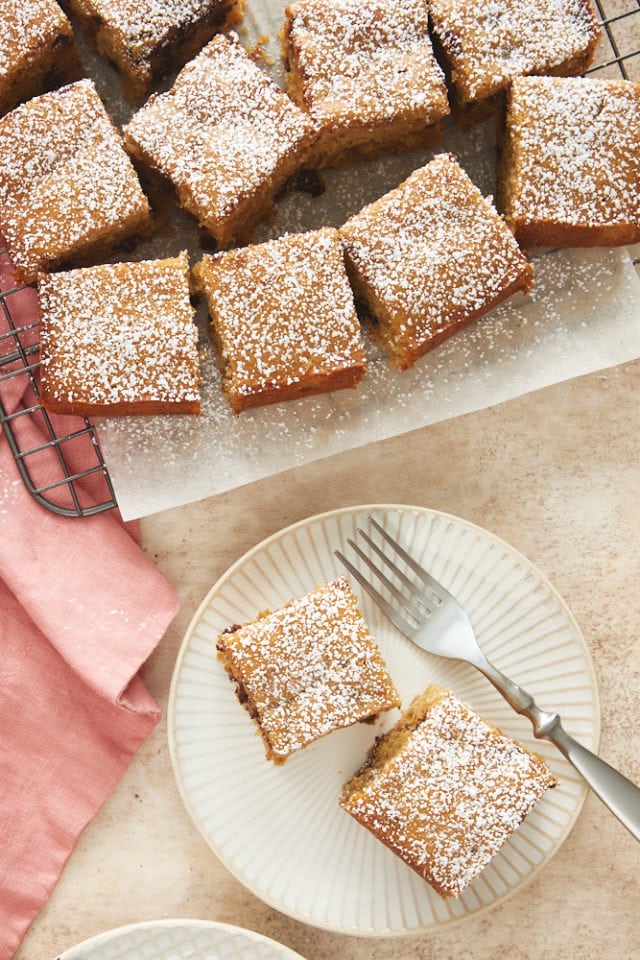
(620, 795)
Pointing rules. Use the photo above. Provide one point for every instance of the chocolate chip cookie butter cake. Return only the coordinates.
(225, 138)
(283, 319)
(367, 75)
(307, 669)
(445, 790)
(147, 39)
(37, 50)
(119, 339)
(428, 258)
(569, 170)
(68, 191)
(484, 46)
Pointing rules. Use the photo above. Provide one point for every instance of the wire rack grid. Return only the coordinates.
(64, 491)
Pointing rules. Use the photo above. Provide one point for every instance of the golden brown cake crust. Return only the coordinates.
(37, 50)
(307, 669)
(119, 339)
(68, 190)
(429, 258)
(367, 75)
(569, 169)
(445, 790)
(225, 136)
(283, 319)
(486, 46)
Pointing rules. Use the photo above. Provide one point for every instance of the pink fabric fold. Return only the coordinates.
(81, 610)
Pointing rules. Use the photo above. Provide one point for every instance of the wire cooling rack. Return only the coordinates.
(64, 490)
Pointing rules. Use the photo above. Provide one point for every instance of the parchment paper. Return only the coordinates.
(583, 315)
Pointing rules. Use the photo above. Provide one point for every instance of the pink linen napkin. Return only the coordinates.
(81, 609)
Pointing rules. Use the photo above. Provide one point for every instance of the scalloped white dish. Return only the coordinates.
(279, 829)
(179, 940)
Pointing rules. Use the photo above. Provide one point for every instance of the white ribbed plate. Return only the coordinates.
(279, 828)
(179, 940)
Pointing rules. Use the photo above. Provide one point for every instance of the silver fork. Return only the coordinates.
(432, 618)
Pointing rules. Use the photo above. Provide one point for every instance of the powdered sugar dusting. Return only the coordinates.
(282, 310)
(221, 133)
(451, 797)
(26, 26)
(430, 253)
(490, 43)
(373, 61)
(65, 181)
(146, 24)
(119, 334)
(574, 144)
(309, 668)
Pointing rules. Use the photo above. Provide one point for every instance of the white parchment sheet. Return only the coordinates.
(583, 315)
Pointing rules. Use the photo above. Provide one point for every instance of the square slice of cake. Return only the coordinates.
(119, 339)
(444, 790)
(307, 669)
(569, 170)
(367, 75)
(37, 50)
(428, 258)
(225, 137)
(68, 190)
(484, 46)
(148, 39)
(283, 319)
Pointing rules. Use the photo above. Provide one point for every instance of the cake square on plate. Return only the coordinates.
(119, 339)
(428, 258)
(37, 51)
(485, 46)
(283, 319)
(225, 137)
(68, 190)
(569, 170)
(444, 790)
(307, 669)
(147, 39)
(366, 73)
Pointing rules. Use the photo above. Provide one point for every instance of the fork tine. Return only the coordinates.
(428, 602)
(436, 588)
(402, 599)
(392, 612)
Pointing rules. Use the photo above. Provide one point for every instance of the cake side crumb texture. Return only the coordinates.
(119, 339)
(307, 669)
(445, 790)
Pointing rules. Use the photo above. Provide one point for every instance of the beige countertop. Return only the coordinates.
(556, 474)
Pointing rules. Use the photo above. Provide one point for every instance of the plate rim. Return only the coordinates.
(171, 923)
(287, 530)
